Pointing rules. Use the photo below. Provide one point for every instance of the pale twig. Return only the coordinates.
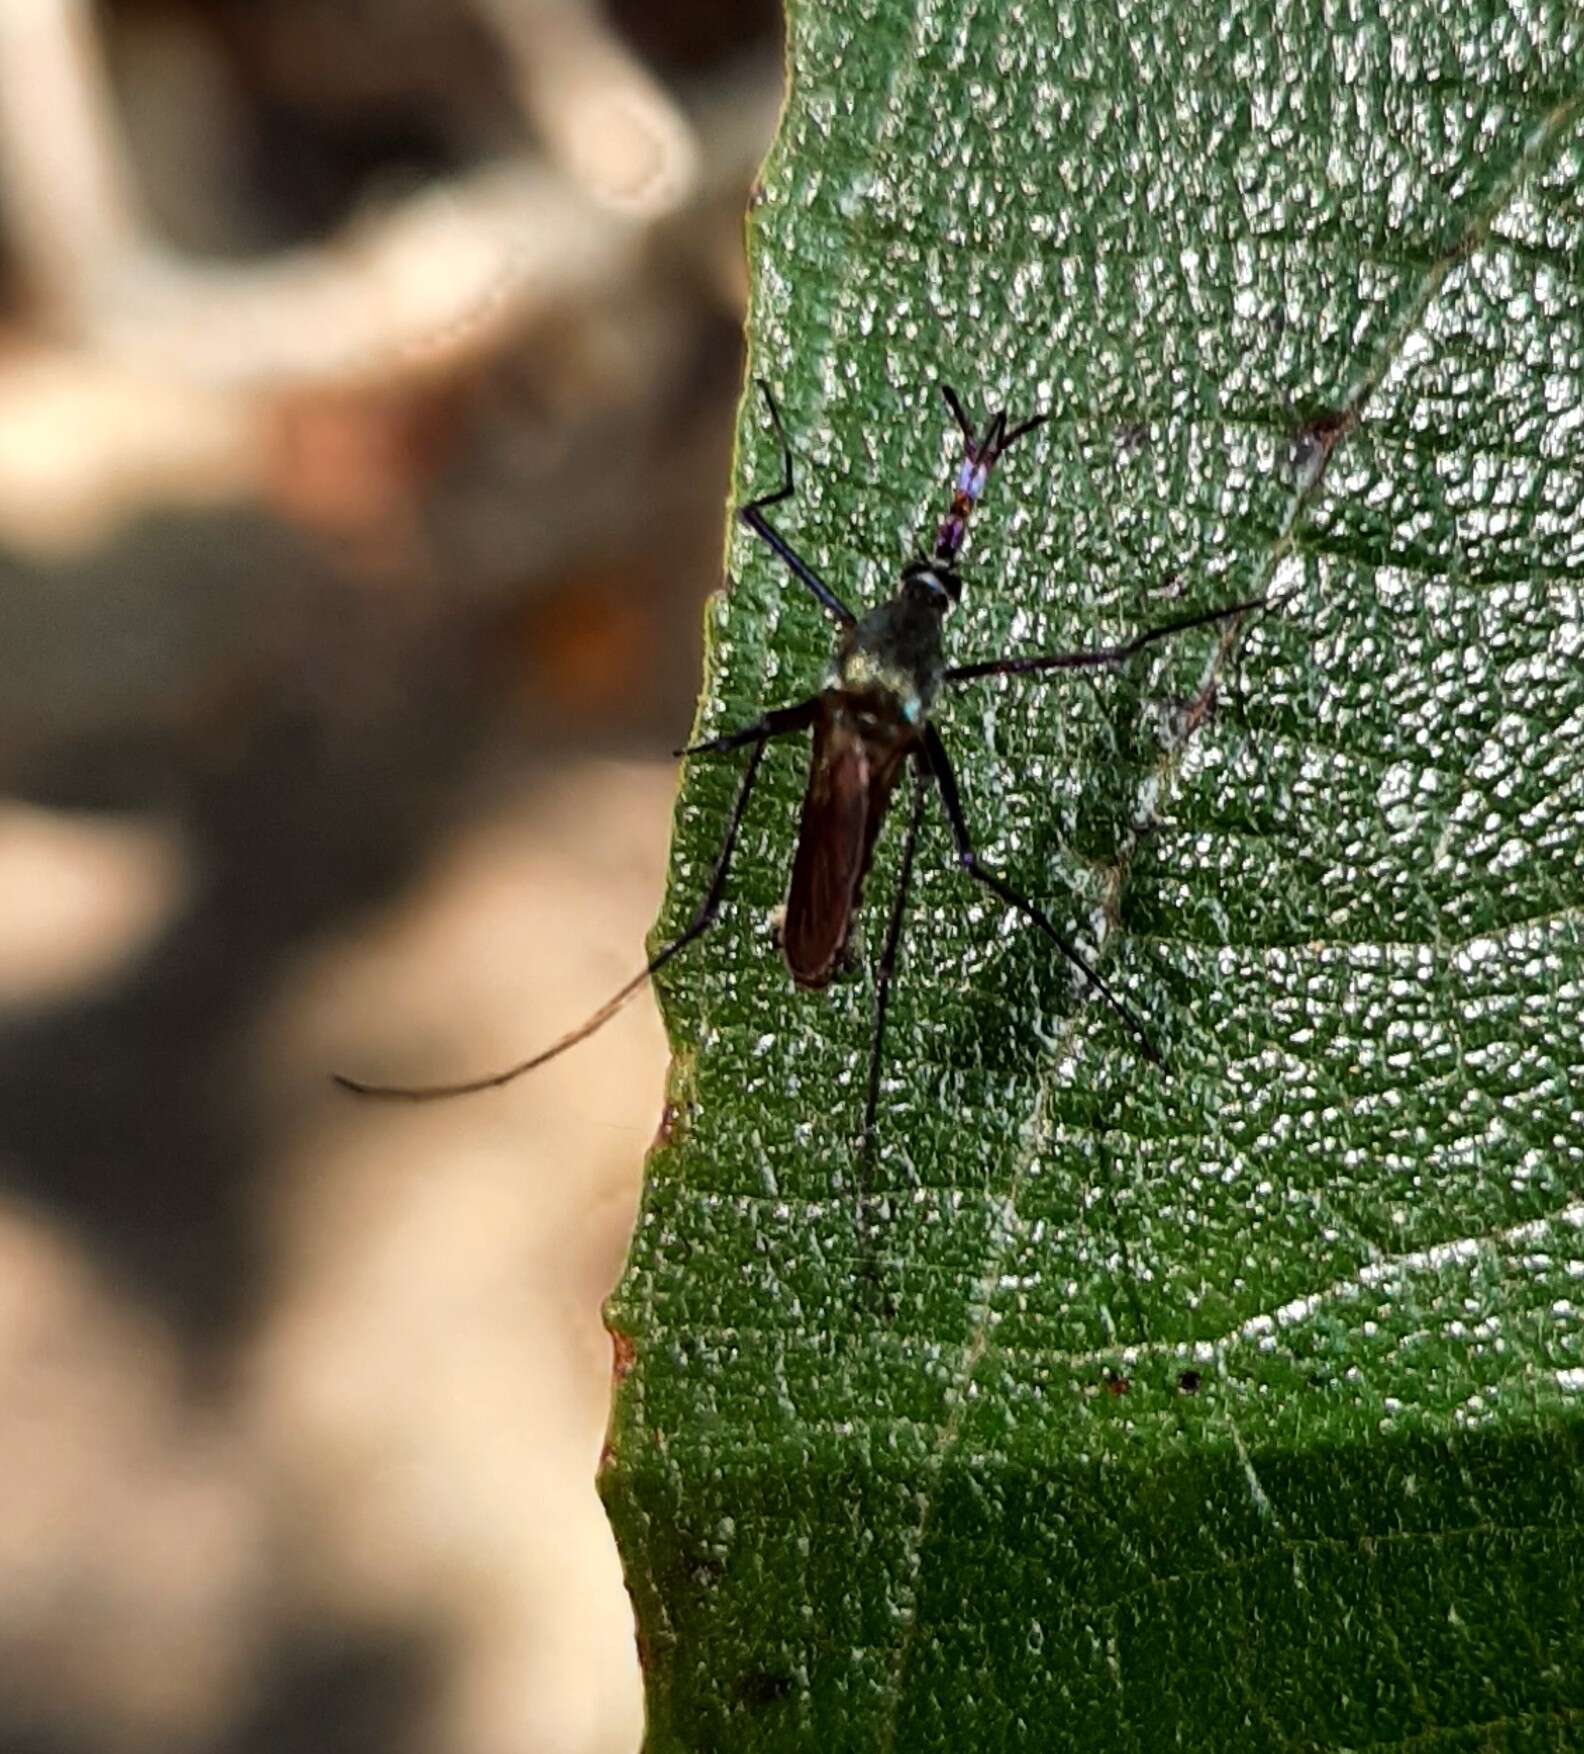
(426, 282)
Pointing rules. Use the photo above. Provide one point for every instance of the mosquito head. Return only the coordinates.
(980, 453)
(932, 582)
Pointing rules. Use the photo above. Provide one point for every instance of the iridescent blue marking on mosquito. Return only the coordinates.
(973, 475)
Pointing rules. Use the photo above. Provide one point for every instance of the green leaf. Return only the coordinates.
(1238, 1405)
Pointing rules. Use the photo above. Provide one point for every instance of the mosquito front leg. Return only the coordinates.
(753, 515)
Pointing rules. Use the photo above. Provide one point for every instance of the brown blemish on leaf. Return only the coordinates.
(1199, 711)
(1315, 441)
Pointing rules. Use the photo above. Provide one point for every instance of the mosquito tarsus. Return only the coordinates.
(870, 721)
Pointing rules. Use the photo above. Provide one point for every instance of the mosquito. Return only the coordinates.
(870, 721)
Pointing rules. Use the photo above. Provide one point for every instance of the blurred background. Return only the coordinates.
(366, 378)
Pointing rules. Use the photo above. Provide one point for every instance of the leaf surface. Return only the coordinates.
(1235, 1405)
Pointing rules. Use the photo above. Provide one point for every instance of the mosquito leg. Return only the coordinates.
(1008, 439)
(1100, 657)
(940, 765)
(753, 515)
(970, 437)
(703, 919)
(886, 966)
(776, 723)
(869, 1264)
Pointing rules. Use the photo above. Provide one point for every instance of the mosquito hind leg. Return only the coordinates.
(940, 766)
(704, 917)
(885, 967)
(753, 515)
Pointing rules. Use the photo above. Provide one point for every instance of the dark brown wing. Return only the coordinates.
(851, 777)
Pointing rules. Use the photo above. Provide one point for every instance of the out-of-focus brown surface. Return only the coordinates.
(365, 387)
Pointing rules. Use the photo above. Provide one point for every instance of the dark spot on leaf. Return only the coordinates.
(763, 1688)
(1315, 441)
(1188, 1383)
(1117, 1384)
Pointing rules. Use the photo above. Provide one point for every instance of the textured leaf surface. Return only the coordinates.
(1236, 1406)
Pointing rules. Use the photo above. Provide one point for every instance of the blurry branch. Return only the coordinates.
(66, 186)
(408, 292)
(607, 124)
(433, 278)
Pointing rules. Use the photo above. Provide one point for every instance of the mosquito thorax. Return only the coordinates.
(892, 658)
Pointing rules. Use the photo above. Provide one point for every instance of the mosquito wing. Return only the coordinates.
(851, 777)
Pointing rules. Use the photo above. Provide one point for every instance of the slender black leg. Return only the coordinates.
(970, 437)
(996, 439)
(776, 723)
(1101, 657)
(886, 966)
(940, 765)
(753, 515)
(1010, 438)
(703, 919)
